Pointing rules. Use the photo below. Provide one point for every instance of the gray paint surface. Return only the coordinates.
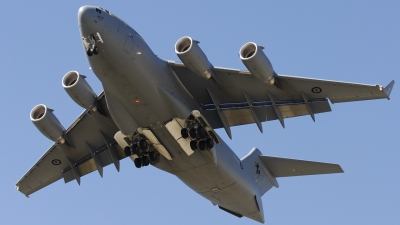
(131, 76)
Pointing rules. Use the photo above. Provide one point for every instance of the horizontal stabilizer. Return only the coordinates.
(282, 167)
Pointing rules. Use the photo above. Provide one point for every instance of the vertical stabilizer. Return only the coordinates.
(261, 175)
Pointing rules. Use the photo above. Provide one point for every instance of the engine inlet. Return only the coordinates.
(70, 79)
(38, 112)
(248, 50)
(183, 45)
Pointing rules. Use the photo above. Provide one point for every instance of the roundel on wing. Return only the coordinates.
(56, 162)
(316, 90)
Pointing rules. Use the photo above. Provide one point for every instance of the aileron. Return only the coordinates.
(55, 163)
(335, 91)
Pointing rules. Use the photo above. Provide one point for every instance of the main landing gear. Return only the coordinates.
(145, 153)
(199, 137)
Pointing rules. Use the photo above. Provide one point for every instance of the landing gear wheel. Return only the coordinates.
(153, 156)
(193, 145)
(134, 149)
(143, 145)
(89, 52)
(96, 50)
(200, 132)
(192, 133)
(145, 161)
(209, 143)
(137, 162)
(127, 151)
(184, 133)
(202, 145)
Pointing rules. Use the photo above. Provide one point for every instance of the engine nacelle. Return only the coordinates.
(193, 57)
(47, 123)
(79, 90)
(257, 62)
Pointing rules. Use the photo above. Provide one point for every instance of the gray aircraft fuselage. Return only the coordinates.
(132, 74)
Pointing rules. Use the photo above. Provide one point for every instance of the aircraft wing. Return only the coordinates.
(237, 97)
(91, 147)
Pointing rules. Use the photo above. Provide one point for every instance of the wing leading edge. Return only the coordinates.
(93, 148)
(244, 99)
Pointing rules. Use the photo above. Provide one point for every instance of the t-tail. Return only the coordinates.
(265, 170)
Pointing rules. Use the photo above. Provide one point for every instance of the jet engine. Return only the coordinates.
(79, 90)
(193, 57)
(257, 62)
(47, 123)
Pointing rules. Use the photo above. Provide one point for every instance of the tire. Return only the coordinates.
(209, 143)
(96, 50)
(202, 145)
(145, 160)
(135, 149)
(137, 162)
(192, 133)
(153, 156)
(193, 145)
(184, 133)
(201, 132)
(89, 52)
(127, 151)
(143, 145)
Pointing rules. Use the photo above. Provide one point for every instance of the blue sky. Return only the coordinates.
(354, 41)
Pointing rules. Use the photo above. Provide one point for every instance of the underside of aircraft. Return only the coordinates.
(165, 113)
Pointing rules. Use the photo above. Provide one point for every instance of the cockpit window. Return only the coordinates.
(107, 11)
(101, 9)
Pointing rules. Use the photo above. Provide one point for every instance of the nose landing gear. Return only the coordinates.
(91, 51)
(90, 44)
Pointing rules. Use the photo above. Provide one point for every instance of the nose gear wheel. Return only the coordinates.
(90, 44)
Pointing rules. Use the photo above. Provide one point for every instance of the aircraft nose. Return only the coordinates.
(85, 13)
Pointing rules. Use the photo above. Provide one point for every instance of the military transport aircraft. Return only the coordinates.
(164, 113)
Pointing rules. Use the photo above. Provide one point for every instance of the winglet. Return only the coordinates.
(388, 89)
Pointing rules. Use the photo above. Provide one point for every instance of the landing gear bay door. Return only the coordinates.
(193, 133)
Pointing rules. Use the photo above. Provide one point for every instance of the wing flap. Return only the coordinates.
(89, 165)
(284, 167)
(292, 95)
(90, 128)
(239, 116)
(233, 81)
